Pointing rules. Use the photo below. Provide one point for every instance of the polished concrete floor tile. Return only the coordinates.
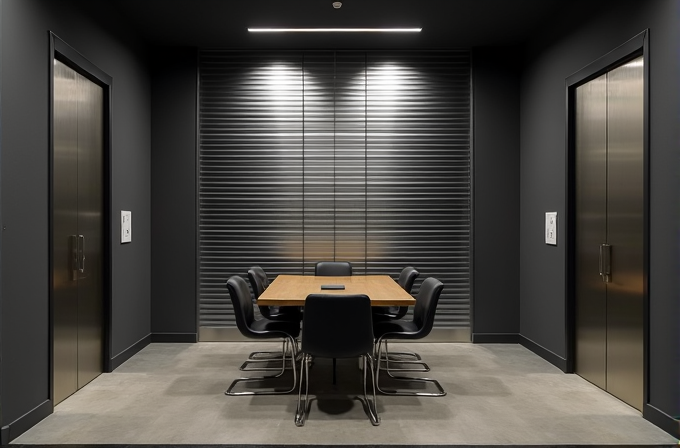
(173, 394)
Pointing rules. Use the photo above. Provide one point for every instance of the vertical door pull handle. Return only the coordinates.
(606, 262)
(600, 261)
(74, 256)
(81, 253)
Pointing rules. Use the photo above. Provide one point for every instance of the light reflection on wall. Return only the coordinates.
(387, 85)
(283, 84)
(303, 107)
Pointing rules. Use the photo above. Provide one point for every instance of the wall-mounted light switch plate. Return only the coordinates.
(551, 228)
(125, 226)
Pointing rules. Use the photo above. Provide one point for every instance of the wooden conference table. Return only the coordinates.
(292, 290)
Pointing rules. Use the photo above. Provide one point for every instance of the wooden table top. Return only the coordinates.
(292, 290)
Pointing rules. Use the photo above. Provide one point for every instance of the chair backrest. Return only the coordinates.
(337, 326)
(243, 305)
(407, 277)
(333, 268)
(426, 305)
(258, 280)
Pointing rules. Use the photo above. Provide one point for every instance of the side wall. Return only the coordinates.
(551, 57)
(495, 307)
(25, 374)
(174, 195)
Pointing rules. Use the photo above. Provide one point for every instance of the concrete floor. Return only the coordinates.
(497, 395)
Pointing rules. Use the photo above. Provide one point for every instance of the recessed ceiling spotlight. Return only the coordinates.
(337, 5)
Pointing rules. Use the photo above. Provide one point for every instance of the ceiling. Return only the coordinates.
(445, 23)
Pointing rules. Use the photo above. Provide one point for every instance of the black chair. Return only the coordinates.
(333, 269)
(337, 326)
(261, 329)
(406, 279)
(421, 325)
(259, 282)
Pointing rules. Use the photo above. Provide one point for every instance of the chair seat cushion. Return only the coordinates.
(265, 326)
(398, 329)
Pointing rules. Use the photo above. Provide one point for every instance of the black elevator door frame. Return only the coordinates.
(60, 50)
(635, 47)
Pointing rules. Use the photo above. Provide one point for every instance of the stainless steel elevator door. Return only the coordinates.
(625, 219)
(591, 229)
(610, 212)
(77, 231)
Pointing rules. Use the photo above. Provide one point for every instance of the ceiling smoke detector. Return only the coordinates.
(337, 5)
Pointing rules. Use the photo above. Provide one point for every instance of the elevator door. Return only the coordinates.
(609, 231)
(77, 231)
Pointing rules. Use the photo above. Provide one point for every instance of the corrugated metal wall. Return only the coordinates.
(358, 156)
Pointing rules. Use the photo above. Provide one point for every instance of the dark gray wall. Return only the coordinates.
(555, 54)
(495, 309)
(173, 195)
(25, 186)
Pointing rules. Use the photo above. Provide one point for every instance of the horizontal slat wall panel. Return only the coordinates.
(250, 172)
(329, 155)
(319, 158)
(335, 159)
(418, 161)
(350, 166)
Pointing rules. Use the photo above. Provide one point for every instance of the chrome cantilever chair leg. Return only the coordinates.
(303, 405)
(267, 355)
(395, 355)
(261, 357)
(293, 357)
(410, 358)
(440, 390)
(370, 404)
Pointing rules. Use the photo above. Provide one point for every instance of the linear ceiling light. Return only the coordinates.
(335, 30)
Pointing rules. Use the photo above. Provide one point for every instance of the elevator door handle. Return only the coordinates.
(606, 262)
(81, 253)
(74, 256)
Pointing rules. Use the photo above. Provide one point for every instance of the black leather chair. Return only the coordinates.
(337, 326)
(259, 282)
(421, 325)
(333, 268)
(406, 279)
(261, 329)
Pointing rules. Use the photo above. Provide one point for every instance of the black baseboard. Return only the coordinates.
(174, 337)
(495, 338)
(128, 353)
(26, 421)
(4, 436)
(552, 358)
(662, 420)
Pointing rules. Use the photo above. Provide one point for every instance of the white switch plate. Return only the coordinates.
(125, 226)
(551, 228)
